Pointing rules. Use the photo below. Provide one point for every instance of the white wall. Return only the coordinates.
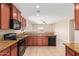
(29, 26)
(47, 27)
(61, 29)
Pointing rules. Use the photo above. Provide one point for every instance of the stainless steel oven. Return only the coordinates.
(21, 47)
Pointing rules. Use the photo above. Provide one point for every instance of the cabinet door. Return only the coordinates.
(19, 16)
(14, 12)
(39, 41)
(5, 52)
(14, 50)
(25, 23)
(76, 8)
(45, 40)
(29, 41)
(21, 22)
(5, 16)
(35, 40)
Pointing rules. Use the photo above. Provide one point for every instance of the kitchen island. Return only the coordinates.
(71, 49)
(41, 39)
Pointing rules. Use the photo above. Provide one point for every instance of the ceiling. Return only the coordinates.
(49, 12)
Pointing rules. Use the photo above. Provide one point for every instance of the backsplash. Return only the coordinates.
(2, 32)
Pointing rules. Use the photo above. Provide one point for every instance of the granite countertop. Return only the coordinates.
(7, 43)
(41, 34)
(73, 46)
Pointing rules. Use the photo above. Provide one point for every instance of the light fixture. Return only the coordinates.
(37, 6)
(37, 12)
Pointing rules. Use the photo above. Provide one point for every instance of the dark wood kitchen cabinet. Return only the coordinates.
(14, 50)
(23, 22)
(45, 40)
(34, 41)
(4, 16)
(29, 41)
(76, 16)
(37, 41)
(5, 52)
(14, 12)
(19, 15)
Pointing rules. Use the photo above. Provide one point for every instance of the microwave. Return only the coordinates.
(15, 24)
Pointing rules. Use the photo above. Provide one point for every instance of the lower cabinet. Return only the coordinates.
(5, 52)
(70, 52)
(37, 40)
(14, 50)
(10, 51)
(29, 41)
(34, 41)
(45, 40)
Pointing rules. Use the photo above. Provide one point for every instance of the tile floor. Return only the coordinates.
(44, 51)
(57, 50)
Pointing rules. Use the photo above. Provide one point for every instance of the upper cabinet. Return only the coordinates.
(23, 21)
(4, 16)
(14, 12)
(19, 16)
(10, 16)
(76, 16)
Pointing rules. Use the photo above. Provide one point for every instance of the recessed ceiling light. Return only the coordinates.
(38, 11)
(37, 6)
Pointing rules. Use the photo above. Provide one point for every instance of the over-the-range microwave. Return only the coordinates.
(15, 24)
